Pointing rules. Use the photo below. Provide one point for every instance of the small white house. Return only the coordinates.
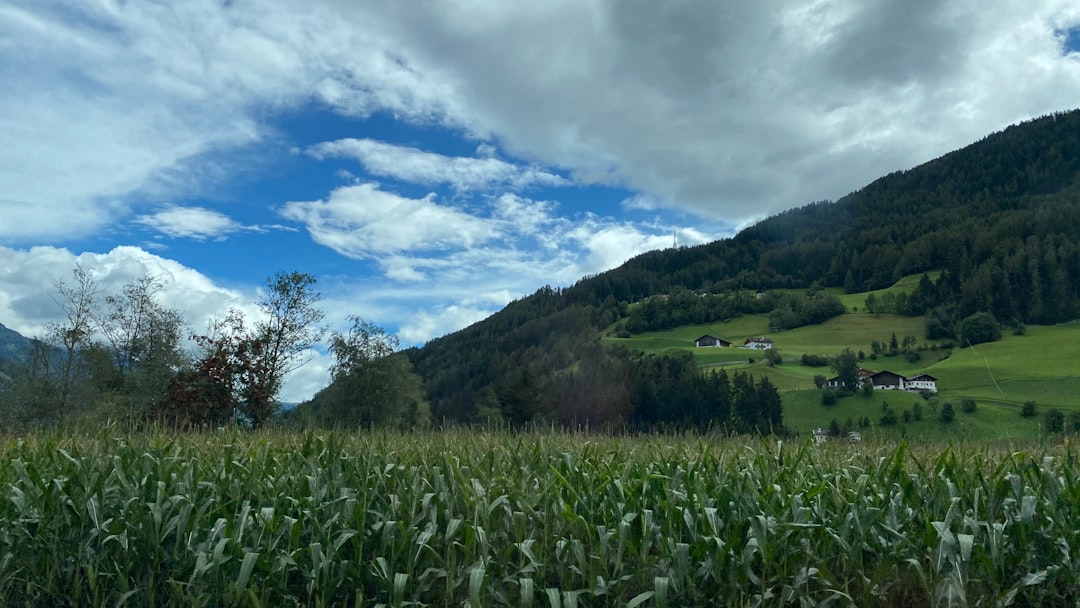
(758, 343)
(922, 382)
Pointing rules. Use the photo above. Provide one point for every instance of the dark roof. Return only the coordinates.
(923, 377)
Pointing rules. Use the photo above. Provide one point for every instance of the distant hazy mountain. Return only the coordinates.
(13, 345)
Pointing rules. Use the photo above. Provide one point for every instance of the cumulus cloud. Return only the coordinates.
(731, 110)
(130, 103)
(725, 110)
(419, 167)
(361, 220)
(517, 245)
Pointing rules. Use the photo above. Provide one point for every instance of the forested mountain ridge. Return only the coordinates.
(14, 348)
(1000, 218)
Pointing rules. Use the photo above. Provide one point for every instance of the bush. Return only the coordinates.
(774, 357)
(947, 413)
(1054, 421)
(978, 328)
(1028, 409)
(916, 411)
(828, 397)
(820, 381)
(889, 418)
(967, 405)
(1074, 422)
(812, 360)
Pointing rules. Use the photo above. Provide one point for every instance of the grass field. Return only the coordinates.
(482, 519)
(1042, 366)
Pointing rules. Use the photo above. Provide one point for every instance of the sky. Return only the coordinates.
(429, 161)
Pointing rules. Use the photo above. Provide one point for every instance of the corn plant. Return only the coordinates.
(547, 519)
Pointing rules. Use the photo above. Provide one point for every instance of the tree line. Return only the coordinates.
(125, 356)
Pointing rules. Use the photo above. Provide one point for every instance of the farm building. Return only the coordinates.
(890, 381)
(922, 382)
(758, 343)
(712, 341)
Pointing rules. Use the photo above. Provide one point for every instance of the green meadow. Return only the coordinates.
(1043, 366)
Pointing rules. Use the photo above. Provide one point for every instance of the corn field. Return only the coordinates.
(553, 520)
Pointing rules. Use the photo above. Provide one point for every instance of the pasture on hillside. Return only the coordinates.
(1042, 365)
(467, 518)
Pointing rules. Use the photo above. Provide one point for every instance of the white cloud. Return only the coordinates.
(425, 325)
(26, 288)
(198, 223)
(362, 220)
(733, 110)
(419, 167)
(131, 103)
(189, 222)
(27, 296)
(425, 293)
(725, 110)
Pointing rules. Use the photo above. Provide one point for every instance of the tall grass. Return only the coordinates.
(483, 519)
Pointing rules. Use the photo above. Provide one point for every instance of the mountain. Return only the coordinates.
(999, 219)
(14, 347)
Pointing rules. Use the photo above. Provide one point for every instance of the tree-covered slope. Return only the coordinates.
(1000, 218)
(14, 347)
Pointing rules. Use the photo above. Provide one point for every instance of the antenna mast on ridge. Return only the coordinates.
(674, 240)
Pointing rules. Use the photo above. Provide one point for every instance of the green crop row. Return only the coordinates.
(483, 519)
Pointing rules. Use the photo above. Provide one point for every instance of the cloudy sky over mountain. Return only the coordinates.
(429, 161)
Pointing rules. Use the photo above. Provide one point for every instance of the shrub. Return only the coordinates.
(889, 418)
(967, 405)
(916, 410)
(813, 360)
(820, 380)
(774, 357)
(828, 397)
(947, 413)
(978, 328)
(1054, 421)
(1074, 422)
(1028, 409)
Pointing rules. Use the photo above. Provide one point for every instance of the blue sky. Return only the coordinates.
(430, 161)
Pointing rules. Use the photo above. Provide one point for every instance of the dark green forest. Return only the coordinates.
(999, 219)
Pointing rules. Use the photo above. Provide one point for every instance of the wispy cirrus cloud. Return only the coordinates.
(198, 223)
(416, 166)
